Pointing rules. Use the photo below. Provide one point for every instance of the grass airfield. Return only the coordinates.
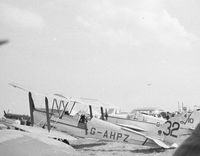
(101, 148)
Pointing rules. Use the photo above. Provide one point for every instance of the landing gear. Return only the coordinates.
(63, 140)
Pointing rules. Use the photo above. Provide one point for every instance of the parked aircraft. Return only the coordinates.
(136, 120)
(22, 119)
(86, 126)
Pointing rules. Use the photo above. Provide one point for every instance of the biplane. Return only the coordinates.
(59, 114)
(136, 120)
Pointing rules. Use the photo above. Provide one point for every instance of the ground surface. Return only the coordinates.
(100, 148)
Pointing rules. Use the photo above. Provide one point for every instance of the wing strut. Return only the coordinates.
(90, 107)
(31, 106)
(106, 114)
(47, 113)
(72, 107)
(102, 114)
(5, 114)
(145, 141)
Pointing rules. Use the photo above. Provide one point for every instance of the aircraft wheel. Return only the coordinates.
(65, 141)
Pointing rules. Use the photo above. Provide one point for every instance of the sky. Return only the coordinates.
(128, 53)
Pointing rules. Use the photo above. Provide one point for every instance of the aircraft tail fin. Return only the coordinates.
(172, 132)
(192, 120)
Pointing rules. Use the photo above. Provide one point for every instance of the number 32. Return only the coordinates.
(172, 128)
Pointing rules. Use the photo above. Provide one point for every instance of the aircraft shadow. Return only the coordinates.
(88, 145)
(144, 151)
(149, 150)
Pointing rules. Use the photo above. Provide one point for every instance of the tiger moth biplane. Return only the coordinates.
(61, 117)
